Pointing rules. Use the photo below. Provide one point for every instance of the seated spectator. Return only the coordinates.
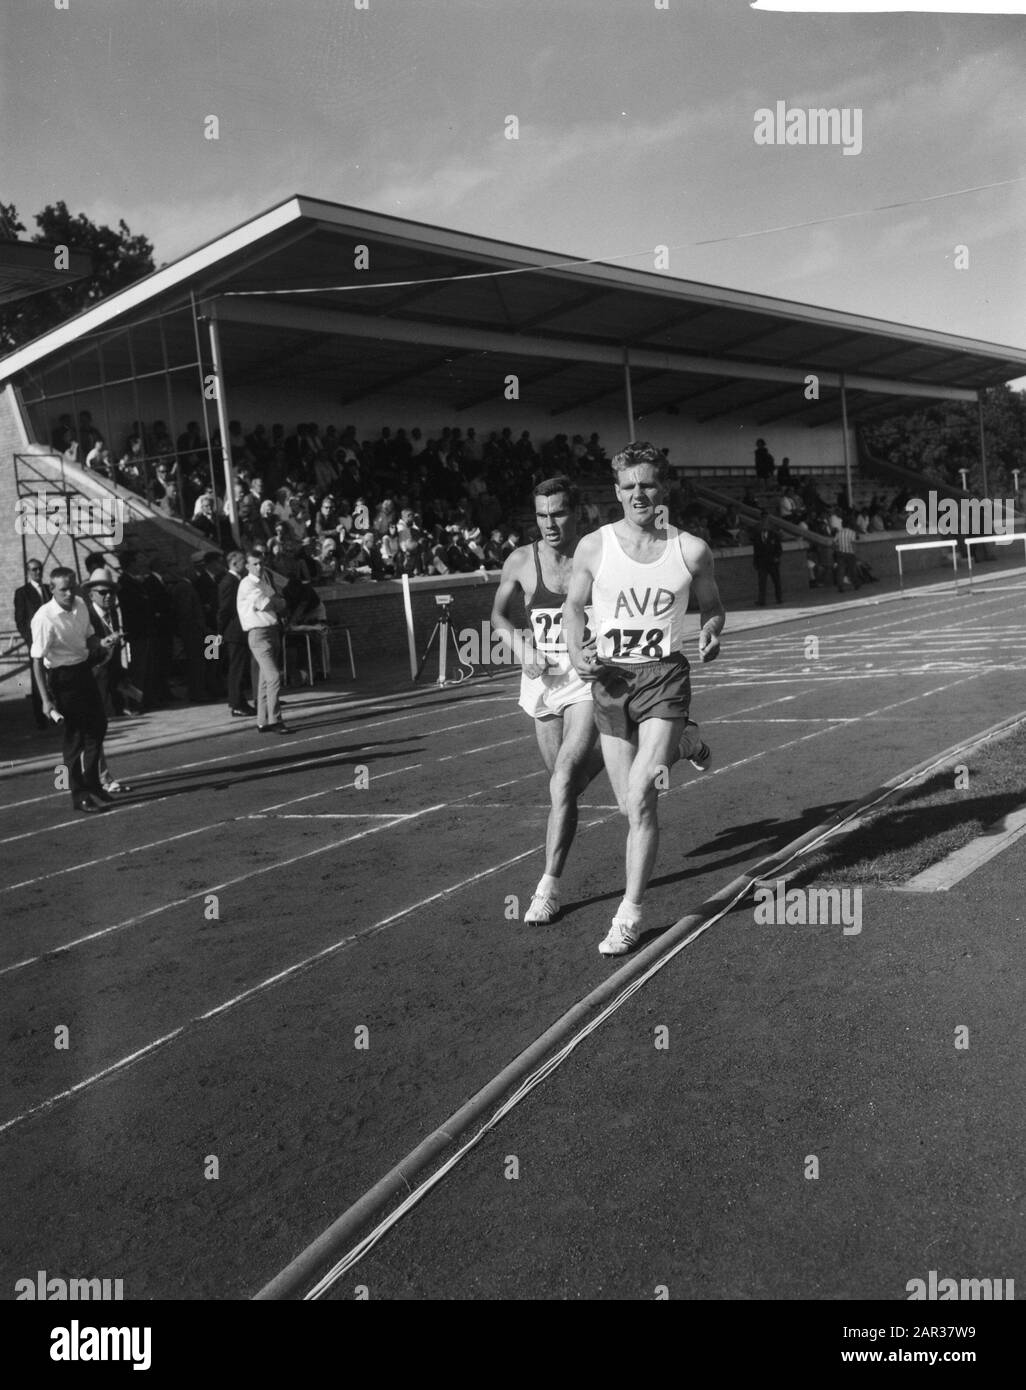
(328, 559)
(98, 458)
(204, 519)
(389, 546)
(474, 543)
(326, 521)
(861, 522)
(876, 520)
(494, 551)
(368, 561)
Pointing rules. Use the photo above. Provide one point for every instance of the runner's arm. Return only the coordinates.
(516, 641)
(578, 597)
(699, 560)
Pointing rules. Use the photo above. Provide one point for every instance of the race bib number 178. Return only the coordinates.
(635, 641)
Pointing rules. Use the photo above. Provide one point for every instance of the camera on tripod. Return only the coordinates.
(443, 634)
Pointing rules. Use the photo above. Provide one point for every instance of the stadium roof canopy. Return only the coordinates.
(26, 268)
(449, 315)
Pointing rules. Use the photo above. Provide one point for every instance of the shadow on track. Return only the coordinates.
(200, 779)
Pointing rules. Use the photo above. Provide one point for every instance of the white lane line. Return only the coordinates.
(449, 757)
(215, 888)
(324, 815)
(288, 973)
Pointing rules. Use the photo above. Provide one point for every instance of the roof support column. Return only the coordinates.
(844, 439)
(983, 440)
(627, 393)
(222, 423)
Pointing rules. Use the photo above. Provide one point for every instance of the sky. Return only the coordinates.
(636, 128)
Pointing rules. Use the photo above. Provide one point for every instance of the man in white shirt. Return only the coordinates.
(62, 643)
(259, 606)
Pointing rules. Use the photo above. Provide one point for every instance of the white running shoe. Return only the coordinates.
(623, 937)
(543, 910)
(694, 747)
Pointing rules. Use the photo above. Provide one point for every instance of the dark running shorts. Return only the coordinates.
(623, 696)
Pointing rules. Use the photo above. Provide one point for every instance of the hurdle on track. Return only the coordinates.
(970, 541)
(929, 545)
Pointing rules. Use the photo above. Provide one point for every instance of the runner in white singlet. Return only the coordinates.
(638, 574)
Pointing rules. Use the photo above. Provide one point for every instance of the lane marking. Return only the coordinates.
(215, 888)
(288, 973)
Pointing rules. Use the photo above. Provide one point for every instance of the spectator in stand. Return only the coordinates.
(438, 552)
(98, 459)
(328, 558)
(368, 560)
(766, 553)
(764, 467)
(495, 556)
(384, 517)
(596, 454)
(204, 518)
(861, 521)
(876, 520)
(578, 453)
(474, 542)
(784, 473)
(191, 449)
(130, 466)
(389, 546)
(326, 521)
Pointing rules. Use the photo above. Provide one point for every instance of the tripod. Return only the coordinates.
(442, 633)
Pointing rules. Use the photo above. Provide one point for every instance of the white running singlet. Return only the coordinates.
(640, 608)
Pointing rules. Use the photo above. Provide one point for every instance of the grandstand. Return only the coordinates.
(320, 312)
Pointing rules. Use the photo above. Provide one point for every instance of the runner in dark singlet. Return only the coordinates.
(551, 691)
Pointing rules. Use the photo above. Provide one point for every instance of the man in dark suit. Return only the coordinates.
(235, 644)
(766, 552)
(27, 601)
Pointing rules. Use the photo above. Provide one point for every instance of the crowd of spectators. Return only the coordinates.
(332, 507)
(371, 508)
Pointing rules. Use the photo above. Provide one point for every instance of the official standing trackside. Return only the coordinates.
(63, 641)
(230, 630)
(637, 574)
(259, 606)
(27, 602)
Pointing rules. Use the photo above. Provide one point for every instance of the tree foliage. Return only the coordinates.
(118, 258)
(944, 437)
